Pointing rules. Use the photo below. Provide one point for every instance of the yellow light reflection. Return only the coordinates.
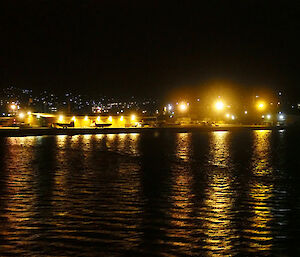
(183, 142)
(261, 191)
(219, 151)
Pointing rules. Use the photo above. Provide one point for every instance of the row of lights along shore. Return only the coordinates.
(218, 105)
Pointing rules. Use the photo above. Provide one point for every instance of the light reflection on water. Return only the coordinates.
(152, 194)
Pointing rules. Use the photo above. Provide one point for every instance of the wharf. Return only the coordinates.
(12, 131)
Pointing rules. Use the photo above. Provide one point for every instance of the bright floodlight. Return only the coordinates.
(260, 105)
(183, 107)
(219, 105)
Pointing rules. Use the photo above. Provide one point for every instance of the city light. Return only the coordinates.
(60, 118)
(227, 115)
(86, 118)
(268, 116)
(246, 112)
(21, 115)
(170, 107)
(261, 106)
(98, 119)
(281, 117)
(110, 119)
(121, 118)
(183, 107)
(73, 118)
(232, 117)
(28, 113)
(133, 117)
(219, 105)
(13, 107)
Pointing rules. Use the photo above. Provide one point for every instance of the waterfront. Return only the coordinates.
(209, 193)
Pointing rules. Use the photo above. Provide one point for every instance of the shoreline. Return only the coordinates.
(12, 132)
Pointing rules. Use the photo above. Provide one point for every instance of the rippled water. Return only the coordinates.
(198, 194)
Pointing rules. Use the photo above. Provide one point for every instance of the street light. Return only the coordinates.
(261, 106)
(183, 107)
(219, 105)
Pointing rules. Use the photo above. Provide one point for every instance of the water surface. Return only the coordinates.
(186, 194)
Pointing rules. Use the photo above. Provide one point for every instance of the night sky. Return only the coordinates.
(148, 48)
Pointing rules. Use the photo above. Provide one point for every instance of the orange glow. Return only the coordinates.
(219, 105)
(183, 107)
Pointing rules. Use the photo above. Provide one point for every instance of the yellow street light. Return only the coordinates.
(13, 107)
(121, 118)
(219, 105)
(73, 118)
(21, 115)
(29, 113)
(183, 107)
(60, 118)
(110, 119)
(133, 117)
(261, 106)
(86, 118)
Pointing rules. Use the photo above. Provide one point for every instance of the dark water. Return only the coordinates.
(200, 194)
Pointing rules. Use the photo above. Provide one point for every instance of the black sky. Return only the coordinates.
(148, 47)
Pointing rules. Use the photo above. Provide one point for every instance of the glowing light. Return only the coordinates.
(121, 118)
(98, 119)
(183, 107)
(38, 116)
(246, 112)
(28, 113)
(133, 117)
(219, 105)
(227, 115)
(261, 105)
(86, 118)
(61, 118)
(73, 118)
(13, 107)
(110, 119)
(170, 107)
(268, 116)
(232, 117)
(281, 117)
(263, 116)
(21, 115)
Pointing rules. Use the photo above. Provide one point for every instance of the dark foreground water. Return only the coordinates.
(199, 194)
